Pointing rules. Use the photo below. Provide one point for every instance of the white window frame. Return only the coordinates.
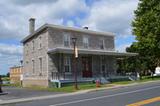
(67, 62)
(33, 45)
(66, 40)
(85, 42)
(33, 65)
(27, 49)
(40, 42)
(40, 65)
(102, 44)
(103, 63)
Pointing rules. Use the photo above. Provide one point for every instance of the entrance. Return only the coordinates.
(87, 66)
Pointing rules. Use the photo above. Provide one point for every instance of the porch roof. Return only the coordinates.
(90, 51)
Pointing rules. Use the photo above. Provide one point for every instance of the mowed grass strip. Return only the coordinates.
(144, 79)
(70, 87)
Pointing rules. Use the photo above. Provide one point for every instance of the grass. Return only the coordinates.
(5, 78)
(13, 85)
(123, 82)
(85, 86)
(70, 88)
(144, 79)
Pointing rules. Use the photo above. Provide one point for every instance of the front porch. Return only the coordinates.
(87, 66)
(90, 65)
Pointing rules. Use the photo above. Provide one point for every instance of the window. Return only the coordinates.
(33, 45)
(102, 43)
(52, 75)
(103, 66)
(27, 62)
(67, 64)
(40, 42)
(66, 40)
(26, 49)
(85, 42)
(40, 65)
(33, 66)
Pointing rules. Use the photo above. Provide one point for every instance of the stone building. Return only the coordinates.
(15, 74)
(48, 54)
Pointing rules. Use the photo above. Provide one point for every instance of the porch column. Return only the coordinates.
(61, 70)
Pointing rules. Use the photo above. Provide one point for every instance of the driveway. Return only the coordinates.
(16, 93)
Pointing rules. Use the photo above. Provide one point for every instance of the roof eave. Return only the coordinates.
(66, 28)
(97, 52)
(35, 32)
(82, 30)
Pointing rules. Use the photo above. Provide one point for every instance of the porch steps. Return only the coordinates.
(104, 80)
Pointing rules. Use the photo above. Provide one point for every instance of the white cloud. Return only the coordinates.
(112, 15)
(7, 49)
(8, 61)
(104, 15)
(70, 23)
(122, 47)
(14, 15)
(10, 55)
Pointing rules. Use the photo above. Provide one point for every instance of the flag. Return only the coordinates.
(76, 52)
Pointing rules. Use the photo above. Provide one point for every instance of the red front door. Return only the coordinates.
(86, 66)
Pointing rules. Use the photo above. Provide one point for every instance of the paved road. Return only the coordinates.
(17, 93)
(145, 93)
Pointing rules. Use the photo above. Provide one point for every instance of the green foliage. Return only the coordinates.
(144, 79)
(146, 28)
(5, 78)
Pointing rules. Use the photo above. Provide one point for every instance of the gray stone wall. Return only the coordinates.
(56, 37)
(34, 54)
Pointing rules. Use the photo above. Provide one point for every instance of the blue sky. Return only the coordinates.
(100, 15)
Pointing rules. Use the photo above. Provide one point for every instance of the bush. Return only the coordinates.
(119, 79)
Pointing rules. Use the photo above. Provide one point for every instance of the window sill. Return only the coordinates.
(39, 48)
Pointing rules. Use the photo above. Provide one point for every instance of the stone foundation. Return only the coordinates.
(35, 82)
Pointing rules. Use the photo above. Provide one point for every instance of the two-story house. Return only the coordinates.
(48, 54)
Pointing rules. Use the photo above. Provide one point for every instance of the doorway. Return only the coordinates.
(87, 66)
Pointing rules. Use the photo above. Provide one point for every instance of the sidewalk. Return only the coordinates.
(65, 94)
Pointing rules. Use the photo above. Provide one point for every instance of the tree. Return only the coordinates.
(146, 28)
(7, 75)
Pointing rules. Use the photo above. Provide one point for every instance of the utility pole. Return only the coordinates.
(74, 62)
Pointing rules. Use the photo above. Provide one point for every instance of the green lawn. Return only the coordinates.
(85, 86)
(70, 88)
(144, 79)
(14, 85)
(5, 78)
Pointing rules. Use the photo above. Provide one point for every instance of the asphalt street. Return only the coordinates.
(147, 94)
(17, 93)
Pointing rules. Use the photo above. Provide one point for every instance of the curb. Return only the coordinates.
(68, 94)
(3, 93)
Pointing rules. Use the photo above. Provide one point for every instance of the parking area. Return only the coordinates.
(17, 93)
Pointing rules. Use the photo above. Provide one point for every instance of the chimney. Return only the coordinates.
(85, 27)
(31, 25)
